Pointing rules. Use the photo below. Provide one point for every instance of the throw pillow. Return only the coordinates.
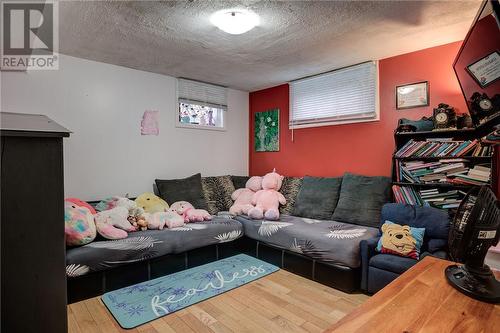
(187, 189)
(239, 181)
(217, 192)
(361, 199)
(317, 197)
(401, 240)
(290, 189)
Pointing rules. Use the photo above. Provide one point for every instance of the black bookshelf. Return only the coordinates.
(479, 132)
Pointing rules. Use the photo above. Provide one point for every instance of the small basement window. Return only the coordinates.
(201, 105)
(343, 96)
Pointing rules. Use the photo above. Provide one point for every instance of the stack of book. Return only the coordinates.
(424, 172)
(479, 175)
(429, 197)
(445, 200)
(437, 148)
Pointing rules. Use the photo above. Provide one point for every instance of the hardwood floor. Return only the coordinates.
(280, 302)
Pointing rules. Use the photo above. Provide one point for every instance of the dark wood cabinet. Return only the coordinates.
(33, 277)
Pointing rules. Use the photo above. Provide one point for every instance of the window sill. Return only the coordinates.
(333, 123)
(201, 127)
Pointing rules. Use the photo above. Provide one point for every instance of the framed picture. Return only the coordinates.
(486, 70)
(267, 130)
(412, 95)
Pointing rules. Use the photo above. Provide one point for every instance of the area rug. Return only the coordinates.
(138, 304)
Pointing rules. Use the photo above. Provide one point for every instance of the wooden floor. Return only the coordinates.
(280, 302)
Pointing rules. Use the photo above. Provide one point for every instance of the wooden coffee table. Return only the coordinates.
(421, 300)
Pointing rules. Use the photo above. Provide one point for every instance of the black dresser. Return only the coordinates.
(33, 274)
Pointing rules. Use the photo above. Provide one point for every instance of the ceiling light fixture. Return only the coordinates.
(235, 21)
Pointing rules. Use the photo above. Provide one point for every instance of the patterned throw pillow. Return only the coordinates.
(217, 192)
(239, 181)
(290, 189)
(401, 240)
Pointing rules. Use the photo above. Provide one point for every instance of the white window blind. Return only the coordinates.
(345, 95)
(195, 92)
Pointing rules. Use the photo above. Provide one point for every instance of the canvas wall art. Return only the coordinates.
(267, 130)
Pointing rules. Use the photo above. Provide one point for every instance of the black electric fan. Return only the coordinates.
(475, 229)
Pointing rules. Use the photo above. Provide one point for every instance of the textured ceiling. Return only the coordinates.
(294, 39)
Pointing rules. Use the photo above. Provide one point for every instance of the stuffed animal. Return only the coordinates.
(135, 213)
(106, 204)
(159, 220)
(155, 220)
(79, 226)
(81, 203)
(243, 196)
(267, 200)
(151, 203)
(189, 213)
(140, 222)
(116, 201)
(113, 223)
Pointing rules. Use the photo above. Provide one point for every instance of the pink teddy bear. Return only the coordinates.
(189, 213)
(268, 200)
(159, 220)
(243, 196)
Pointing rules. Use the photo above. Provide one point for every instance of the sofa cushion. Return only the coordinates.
(144, 245)
(361, 199)
(317, 197)
(392, 263)
(239, 181)
(217, 192)
(186, 189)
(326, 241)
(290, 189)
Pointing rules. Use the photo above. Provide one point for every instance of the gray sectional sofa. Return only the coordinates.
(317, 236)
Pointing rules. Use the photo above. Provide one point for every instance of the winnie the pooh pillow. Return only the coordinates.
(401, 240)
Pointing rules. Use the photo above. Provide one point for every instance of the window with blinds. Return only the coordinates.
(338, 97)
(201, 105)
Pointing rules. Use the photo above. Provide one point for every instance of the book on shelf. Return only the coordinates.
(442, 148)
(478, 175)
(428, 197)
(483, 150)
(438, 172)
(452, 171)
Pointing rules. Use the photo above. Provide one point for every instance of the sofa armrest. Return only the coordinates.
(367, 248)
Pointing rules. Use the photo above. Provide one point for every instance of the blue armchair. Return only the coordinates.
(377, 269)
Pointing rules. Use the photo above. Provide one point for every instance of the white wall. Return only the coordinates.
(103, 105)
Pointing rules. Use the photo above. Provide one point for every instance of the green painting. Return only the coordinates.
(267, 130)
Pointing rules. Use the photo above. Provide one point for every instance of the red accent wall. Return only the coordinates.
(364, 148)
